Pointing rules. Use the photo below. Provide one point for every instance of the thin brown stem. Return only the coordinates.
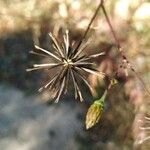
(101, 5)
(90, 23)
(120, 49)
(111, 27)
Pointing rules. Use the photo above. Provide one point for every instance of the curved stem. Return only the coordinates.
(120, 49)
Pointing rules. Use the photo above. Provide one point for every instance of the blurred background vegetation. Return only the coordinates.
(24, 23)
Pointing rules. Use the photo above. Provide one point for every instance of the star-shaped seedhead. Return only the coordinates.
(71, 63)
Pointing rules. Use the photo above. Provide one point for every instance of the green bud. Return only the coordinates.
(113, 81)
(95, 111)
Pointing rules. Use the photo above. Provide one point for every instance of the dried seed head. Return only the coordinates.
(70, 62)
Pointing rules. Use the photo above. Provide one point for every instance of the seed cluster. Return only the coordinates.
(71, 63)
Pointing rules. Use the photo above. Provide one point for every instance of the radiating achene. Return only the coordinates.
(71, 61)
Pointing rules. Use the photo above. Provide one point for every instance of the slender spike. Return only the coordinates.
(67, 41)
(56, 80)
(67, 81)
(35, 53)
(83, 46)
(97, 55)
(59, 78)
(31, 69)
(90, 68)
(60, 90)
(74, 83)
(64, 72)
(47, 52)
(45, 65)
(77, 88)
(56, 44)
(56, 50)
(48, 84)
(83, 59)
(90, 57)
(100, 74)
(82, 63)
(63, 45)
(84, 79)
(60, 48)
(79, 58)
(79, 92)
(41, 66)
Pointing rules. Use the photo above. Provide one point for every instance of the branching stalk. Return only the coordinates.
(120, 49)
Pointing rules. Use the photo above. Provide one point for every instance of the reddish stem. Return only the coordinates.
(120, 49)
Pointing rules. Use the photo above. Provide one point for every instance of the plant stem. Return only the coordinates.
(120, 49)
(101, 5)
(90, 23)
(110, 26)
